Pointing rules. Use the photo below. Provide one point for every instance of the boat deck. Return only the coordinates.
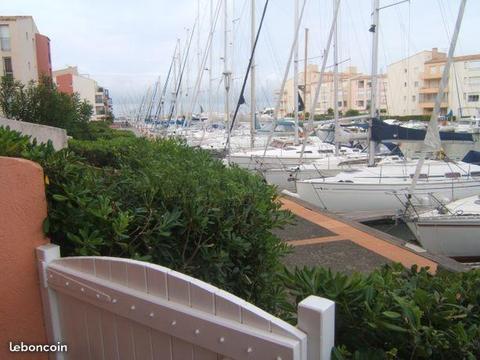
(320, 238)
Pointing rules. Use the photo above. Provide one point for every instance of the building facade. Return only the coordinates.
(25, 53)
(354, 91)
(414, 84)
(69, 81)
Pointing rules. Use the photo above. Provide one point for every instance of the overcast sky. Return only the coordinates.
(126, 45)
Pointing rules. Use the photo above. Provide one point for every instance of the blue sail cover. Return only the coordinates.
(472, 157)
(382, 131)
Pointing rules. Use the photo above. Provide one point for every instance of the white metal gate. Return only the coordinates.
(114, 308)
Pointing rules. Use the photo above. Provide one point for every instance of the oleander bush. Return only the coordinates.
(395, 313)
(41, 103)
(163, 202)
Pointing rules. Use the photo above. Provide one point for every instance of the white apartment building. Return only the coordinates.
(414, 83)
(354, 91)
(69, 81)
(24, 52)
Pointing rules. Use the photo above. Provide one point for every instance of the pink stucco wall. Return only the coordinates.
(22, 211)
(44, 62)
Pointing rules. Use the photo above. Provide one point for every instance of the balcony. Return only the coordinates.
(431, 105)
(430, 90)
(429, 76)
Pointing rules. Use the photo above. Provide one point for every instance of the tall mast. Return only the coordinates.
(210, 66)
(253, 104)
(432, 136)
(178, 94)
(335, 86)
(373, 95)
(295, 73)
(198, 37)
(227, 75)
(305, 70)
(187, 75)
(314, 102)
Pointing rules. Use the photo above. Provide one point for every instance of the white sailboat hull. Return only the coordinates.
(388, 197)
(286, 179)
(452, 236)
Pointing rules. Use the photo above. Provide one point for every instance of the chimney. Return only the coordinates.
(434, 53)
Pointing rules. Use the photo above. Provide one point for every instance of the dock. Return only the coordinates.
(320, 238)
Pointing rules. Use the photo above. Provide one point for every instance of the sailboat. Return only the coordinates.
(280, 153)
(452, 230)
(382, 188)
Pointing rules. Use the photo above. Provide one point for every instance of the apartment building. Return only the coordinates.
(70, 81)
(414, 84)
(25, 53)
(354, 91)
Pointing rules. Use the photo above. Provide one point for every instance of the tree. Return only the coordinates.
(42, 103)
(330, 111)
(352, 112)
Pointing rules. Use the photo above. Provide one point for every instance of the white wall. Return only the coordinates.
(42, 133)
(23, 48)
(403, 100)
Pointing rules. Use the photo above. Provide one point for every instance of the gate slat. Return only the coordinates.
(78, 338)
(161, 346)
(202, 297)
(94, 331)
(179, 292)
(124, 338)
(109, 335)
(118, 273)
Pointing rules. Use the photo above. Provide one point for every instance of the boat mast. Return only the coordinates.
(284, 81)
(305, 70)
(178, 90)
(373, 89)
(227, 76)
(335, 88)
(253, 104)
(432, 140)
(295, 74)
(210, 66)
(320, 79)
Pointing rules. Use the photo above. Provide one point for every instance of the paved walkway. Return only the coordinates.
(347, 239)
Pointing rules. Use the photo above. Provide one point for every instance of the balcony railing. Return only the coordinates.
(430, 90)
(429, 76)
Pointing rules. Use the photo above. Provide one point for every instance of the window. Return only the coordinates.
(26, 35)
(405, 84)
(433, 70)
(99, 99)
(340, 103)
(361, 84)
(416, 84)
(475, 80)
(345, 103)
(405, 70)
(7, 66)
(4, 38)
(414, 98)
(360, 103)
(473, 65)
(404, 98)
(473, 98)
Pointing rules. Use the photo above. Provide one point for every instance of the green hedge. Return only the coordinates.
(394, 313)
(163, 202)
